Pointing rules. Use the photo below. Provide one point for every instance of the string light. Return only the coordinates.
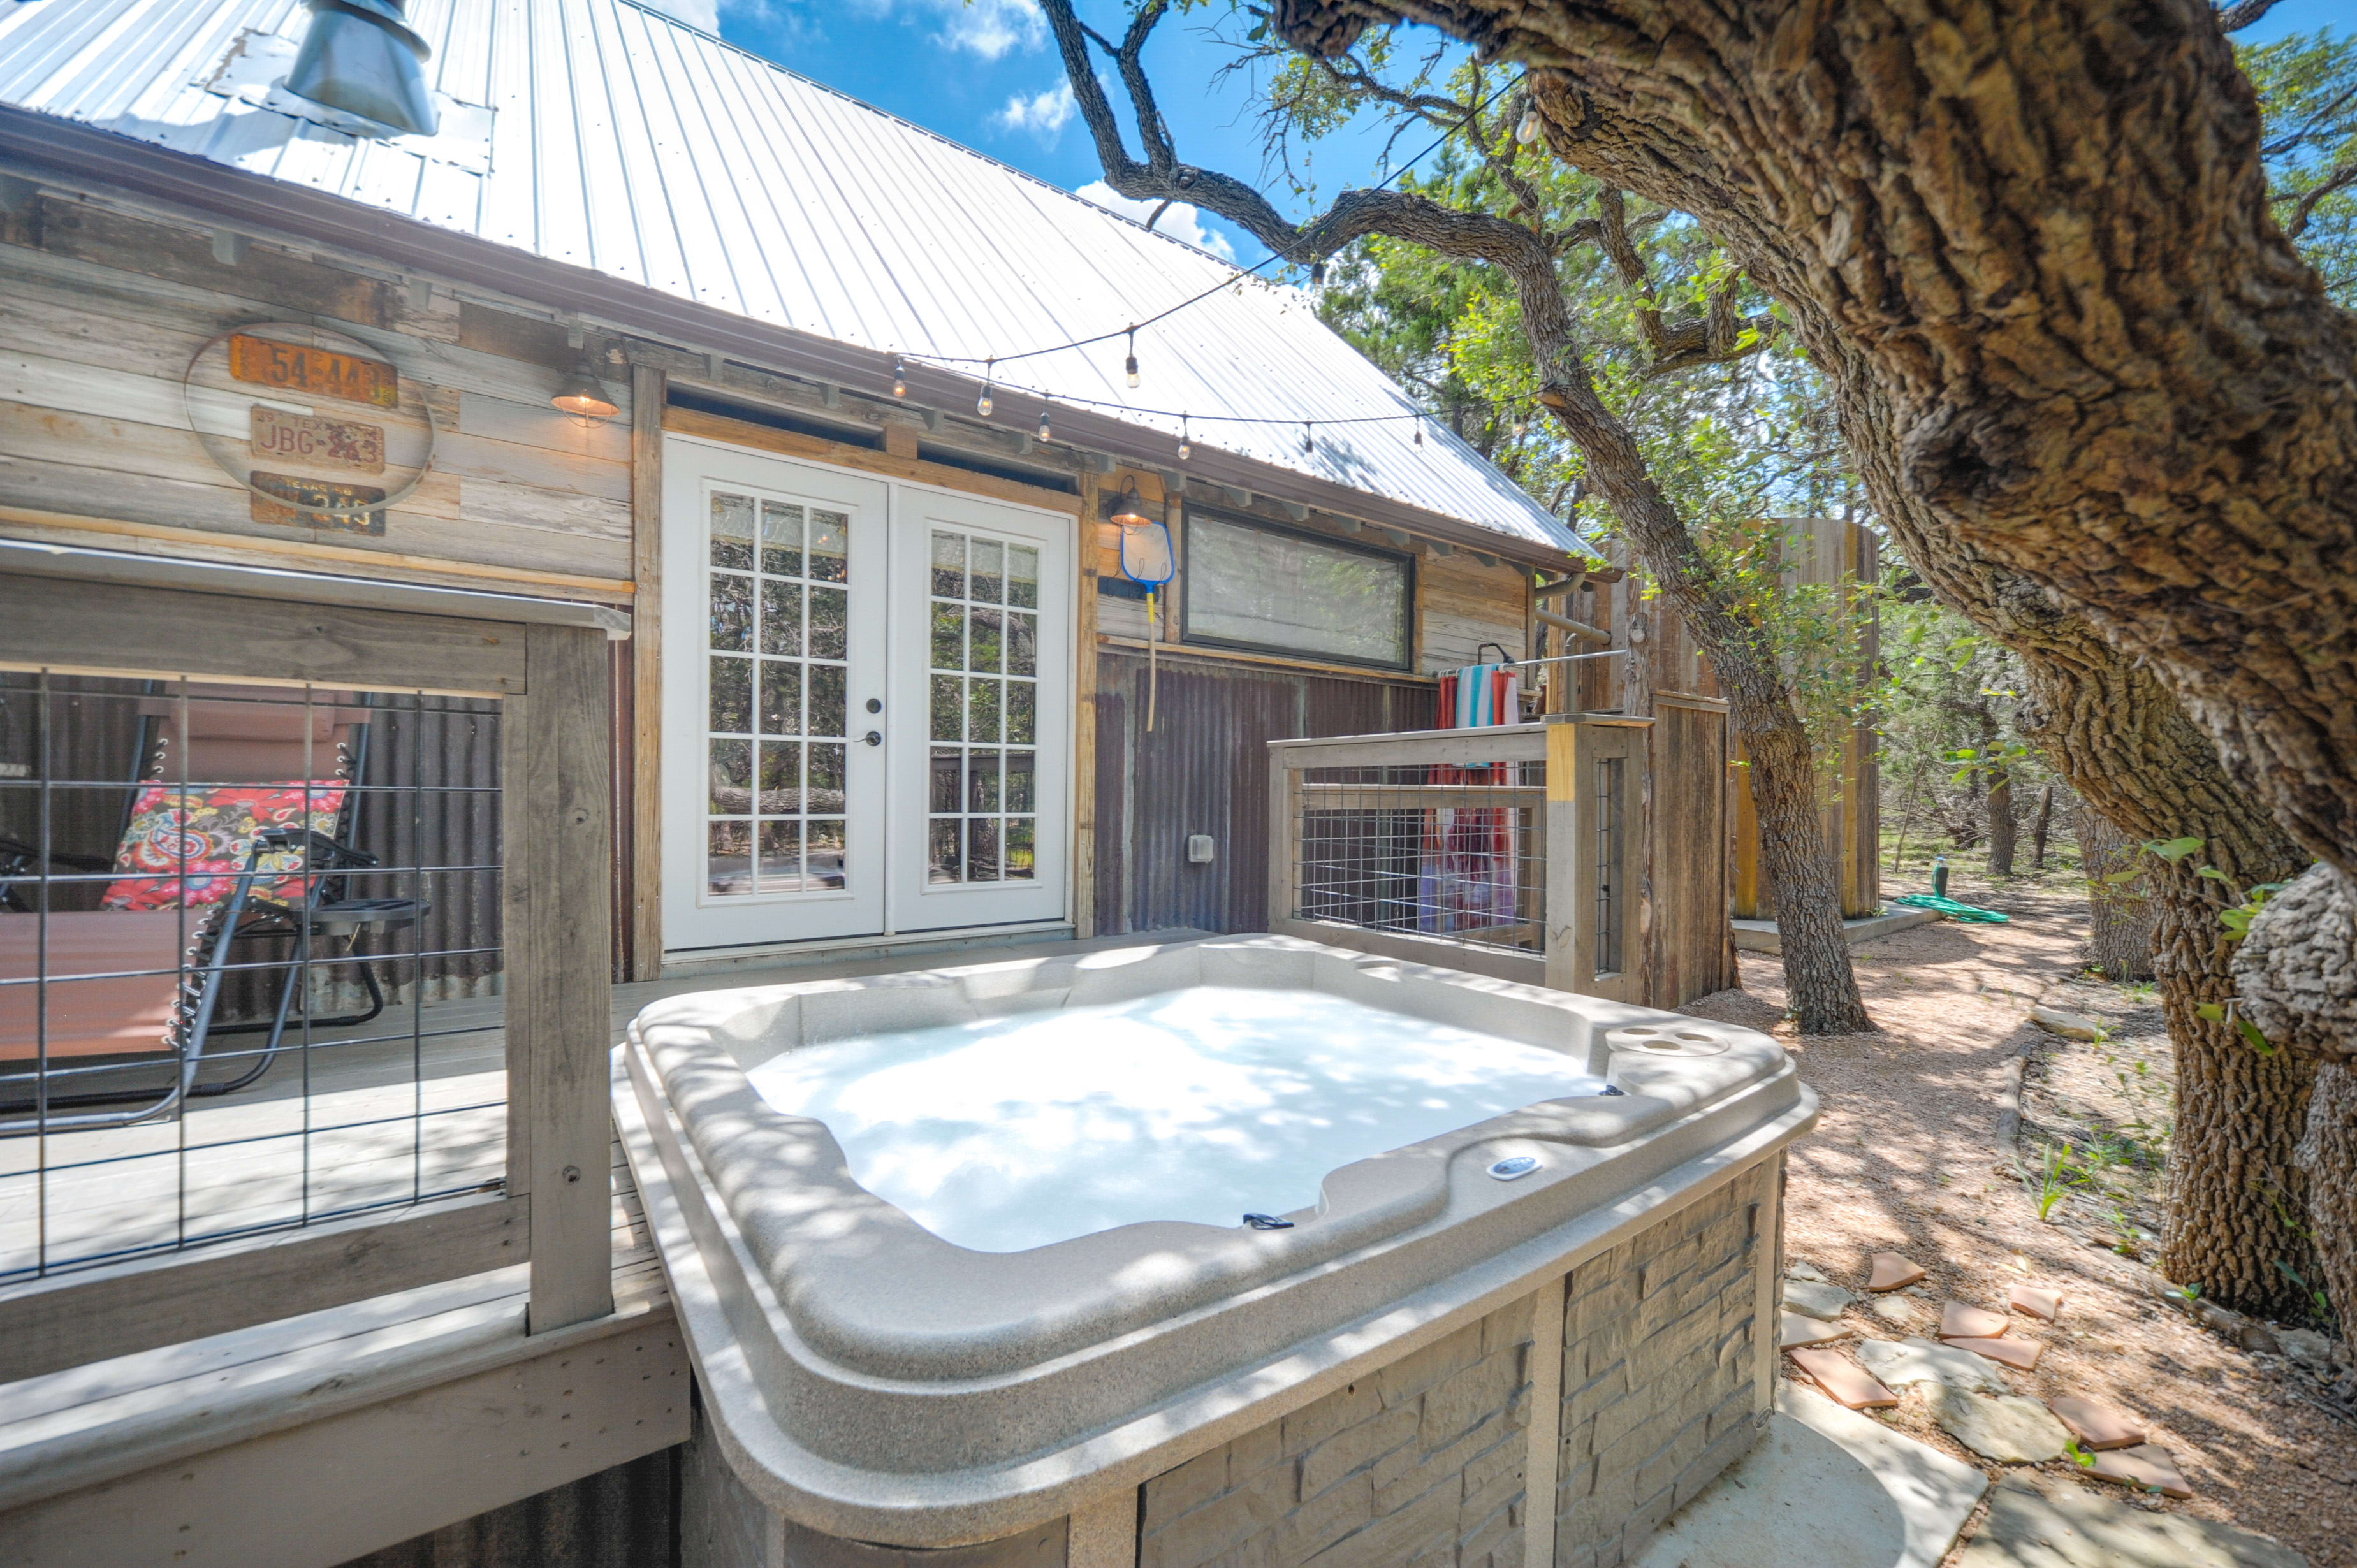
(900, 377)
(1528, 131)
(1520, 424)
(1131, 367)
(1318, 275)
(982, 403)
(1308, 445)
(1186, 448)
(1045, 434)
(1419, 430)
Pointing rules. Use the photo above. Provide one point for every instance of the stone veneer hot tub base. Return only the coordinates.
(1363, 1398)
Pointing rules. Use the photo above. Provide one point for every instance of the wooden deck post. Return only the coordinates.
(556, 824)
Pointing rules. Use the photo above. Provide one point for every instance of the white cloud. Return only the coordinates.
(1180, 221)
(990, 28)
(1044, 115)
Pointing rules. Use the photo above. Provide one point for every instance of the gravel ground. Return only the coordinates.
(1907, 1159)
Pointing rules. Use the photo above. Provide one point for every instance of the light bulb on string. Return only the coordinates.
(1308, 445)
(1528, 131)
(1520, 424)
(1419, 430)
(1318, 275)
(900, 377)
(1186, 448)
(1045, 434)
(982, 403)
(1130, 366)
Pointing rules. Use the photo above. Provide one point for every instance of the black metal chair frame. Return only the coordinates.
(325, 912)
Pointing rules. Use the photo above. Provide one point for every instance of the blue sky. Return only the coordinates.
(985, 72)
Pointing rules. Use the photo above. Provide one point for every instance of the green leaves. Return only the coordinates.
(2173, 850)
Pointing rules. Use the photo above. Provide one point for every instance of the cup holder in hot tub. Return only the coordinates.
(1681, 1039)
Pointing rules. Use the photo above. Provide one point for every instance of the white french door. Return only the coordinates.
(773, 614)
(866, 723)
(981, 683)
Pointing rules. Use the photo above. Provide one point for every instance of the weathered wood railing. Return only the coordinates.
(101, 613)
(1509, 851)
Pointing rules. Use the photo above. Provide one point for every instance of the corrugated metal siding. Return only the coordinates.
(626, 144)
(1204, 770)
(627, 1517)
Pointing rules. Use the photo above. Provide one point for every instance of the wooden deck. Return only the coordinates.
(415, 1409)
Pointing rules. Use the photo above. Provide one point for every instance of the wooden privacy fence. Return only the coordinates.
(1586, 853)
(544, 665)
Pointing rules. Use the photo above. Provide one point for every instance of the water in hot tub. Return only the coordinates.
(1202, 1104)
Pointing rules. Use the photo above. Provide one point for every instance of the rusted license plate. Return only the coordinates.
(302, 494)
(320, 443)
(319, 371)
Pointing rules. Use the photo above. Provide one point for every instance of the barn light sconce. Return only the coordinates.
(362, 58)
(583, 397)
(1127, 509)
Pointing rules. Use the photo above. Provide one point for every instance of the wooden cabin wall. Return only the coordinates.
(1204, 770)
(102, 313)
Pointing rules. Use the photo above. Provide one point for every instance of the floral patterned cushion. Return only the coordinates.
(198, 839)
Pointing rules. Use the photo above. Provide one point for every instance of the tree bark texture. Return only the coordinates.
(1819, 981)
(2129, 751)
(2298, 972)
(2041, 231)
(2119, 915)
(2000, 798)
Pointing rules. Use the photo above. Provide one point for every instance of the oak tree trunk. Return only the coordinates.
(2000, 800)
(2298, 972)
(2040, 230)
(2119, 915)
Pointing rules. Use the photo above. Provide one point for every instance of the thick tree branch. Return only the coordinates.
(2340, 179)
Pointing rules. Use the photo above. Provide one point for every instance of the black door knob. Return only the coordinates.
(875, 704)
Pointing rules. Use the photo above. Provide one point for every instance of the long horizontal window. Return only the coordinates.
(1250, 586)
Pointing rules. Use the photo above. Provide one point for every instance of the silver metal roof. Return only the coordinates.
(605, 135)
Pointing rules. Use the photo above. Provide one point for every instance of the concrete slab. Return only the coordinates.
(2044, 1522)
(1823, 1489)
(1760, 936)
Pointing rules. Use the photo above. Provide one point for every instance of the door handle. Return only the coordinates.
(874, 738)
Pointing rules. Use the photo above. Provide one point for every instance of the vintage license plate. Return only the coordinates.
(320, 442)
(298, 494)
(319, 371)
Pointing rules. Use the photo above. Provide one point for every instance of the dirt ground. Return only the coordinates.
(1907, 1159)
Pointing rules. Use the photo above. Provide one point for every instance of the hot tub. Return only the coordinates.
(1004, 1254)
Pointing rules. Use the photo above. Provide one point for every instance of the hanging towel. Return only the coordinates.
(1481, 694)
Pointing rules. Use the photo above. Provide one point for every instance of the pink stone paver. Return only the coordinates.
(1892, 1271)
(2096, 1425)
(2045, 1305)
(2019, 1354)
(1844, 1382)
(2147, 1466)
(1958, 1321)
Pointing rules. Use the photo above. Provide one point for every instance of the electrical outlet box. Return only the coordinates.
(1199, 849)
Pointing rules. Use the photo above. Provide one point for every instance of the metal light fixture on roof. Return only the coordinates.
(361, 59)
(583, 397)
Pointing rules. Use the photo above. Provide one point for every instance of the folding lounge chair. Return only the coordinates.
(244, 854)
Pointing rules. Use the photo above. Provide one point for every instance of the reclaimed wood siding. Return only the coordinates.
(1204, 770)
(1689, 946)
(100, 315)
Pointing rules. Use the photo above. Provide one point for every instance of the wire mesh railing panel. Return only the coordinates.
(1453, 851)
(249, 962)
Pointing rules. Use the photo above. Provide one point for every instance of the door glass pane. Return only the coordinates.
(732, 532)
(991, 710)
(780, 586)
(781, 857)
(782, 539)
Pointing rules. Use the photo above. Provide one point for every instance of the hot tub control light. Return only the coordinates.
(1514, 1165)
(1268, 1222)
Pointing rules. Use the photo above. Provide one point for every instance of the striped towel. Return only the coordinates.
(1481, 694)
